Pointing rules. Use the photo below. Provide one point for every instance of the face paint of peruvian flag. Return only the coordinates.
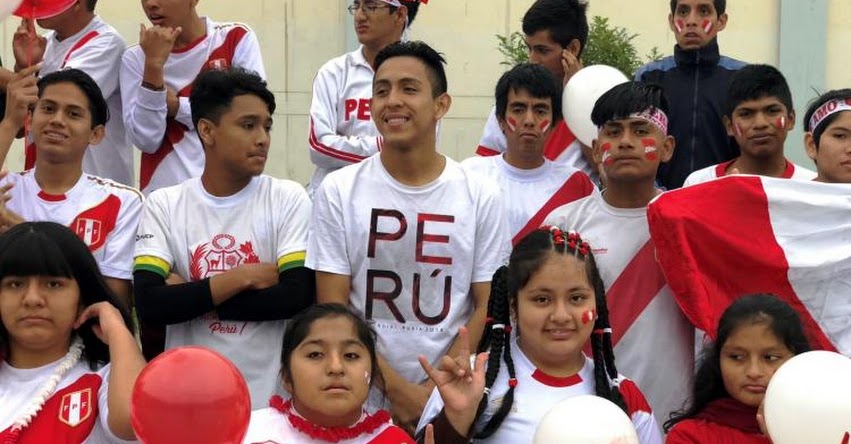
(650, 149)
(738, 129)
(680, 25)
(781, 123)
(544, 125)
(606, 148)
(512, 124)
(707, 26)
(589, 316)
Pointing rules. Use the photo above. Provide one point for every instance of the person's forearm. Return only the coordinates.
(7, 136)
(126, 362)
(154, 74)
(295, 291)
(5, 77)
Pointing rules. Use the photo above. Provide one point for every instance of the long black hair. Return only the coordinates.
(748, 310)
(51, 249)
(528, 256)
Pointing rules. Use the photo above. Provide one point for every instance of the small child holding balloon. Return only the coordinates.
(755, 336)
(69, 358)
(544, 308)
(328, 365)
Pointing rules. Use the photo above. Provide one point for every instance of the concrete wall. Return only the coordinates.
(297, 36)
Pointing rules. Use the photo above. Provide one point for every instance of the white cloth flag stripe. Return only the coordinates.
(748, 234)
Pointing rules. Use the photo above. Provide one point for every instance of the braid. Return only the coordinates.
(498, 334)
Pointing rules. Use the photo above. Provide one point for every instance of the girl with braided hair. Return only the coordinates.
(544, 307)
(68, 358)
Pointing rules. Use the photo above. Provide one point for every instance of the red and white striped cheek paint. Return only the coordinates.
(589, 317)
(781, 123)
(544, 125)
(738, 130)
(707, 26)
(512, 124)
(650, 150)
(606, 148)
(680, 25)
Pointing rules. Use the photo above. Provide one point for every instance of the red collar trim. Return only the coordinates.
(721, 168)
(556, 381)
(51, 197)
(789, 171)
(369, 424)
(190, 46)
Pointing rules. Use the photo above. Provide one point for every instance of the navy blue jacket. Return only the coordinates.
(695, 83)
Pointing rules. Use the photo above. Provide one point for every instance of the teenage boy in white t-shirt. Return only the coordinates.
(80, 39)
(528, 103)
(220, 258)
(69, 114)
(156, 80)
(341, 128)
(653, 340)
(759, 115)
(408, 238)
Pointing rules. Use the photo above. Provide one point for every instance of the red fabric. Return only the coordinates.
(698, 431)
(577, 186)
(715, 243)
(732, 413)
(721, 169)
(392, 435)
(80, 43)
(632, 292)
(485, 151)
(95, 225)
(634, 399)
(559, 140)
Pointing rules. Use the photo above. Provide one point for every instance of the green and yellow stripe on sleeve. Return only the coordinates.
(152, 264)
(290, 261)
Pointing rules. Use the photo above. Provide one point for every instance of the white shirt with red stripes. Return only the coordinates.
(536, 393)
(562, 146)
(77, 412)
(529, 195)
(654, 342)
(412, 253)
(792, 171)
(105, 214)
(171, 149)
(341, 127)
(97, 50)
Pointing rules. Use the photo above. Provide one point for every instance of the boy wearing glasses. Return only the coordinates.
(341, 129)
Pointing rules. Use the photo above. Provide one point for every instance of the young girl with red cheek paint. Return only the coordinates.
(328, 365)
(756, 335)
(69, 357)
(544, 308)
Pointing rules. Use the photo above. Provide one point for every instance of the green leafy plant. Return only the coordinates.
(607, 44)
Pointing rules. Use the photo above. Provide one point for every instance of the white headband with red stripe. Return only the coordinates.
(828, 109)
(397, 3)
(655, 116)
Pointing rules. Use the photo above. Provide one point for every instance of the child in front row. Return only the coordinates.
(756, 335)
(828, 137)
(759, 115)
(328, 365)
(552, 293)
(69, 359)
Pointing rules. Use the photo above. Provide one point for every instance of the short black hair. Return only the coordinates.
(432, 59)
(214, 91)
(97, 104)
(720, 6)
(566, 20)
(754, 82)
(534, 79)
(628, 98)
(90, 5)
(51, 249)
(413, 7)
(836, 94)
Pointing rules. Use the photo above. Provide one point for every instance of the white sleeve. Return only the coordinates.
(326, 245)
(118, 258)
(432, 408)
(647, 428)
(248, 55)
(493, 141)
(98, 58)
(293, 224)
(153, 235)
(102, 433)
(493, 243)
(327, 148)
(145, 111)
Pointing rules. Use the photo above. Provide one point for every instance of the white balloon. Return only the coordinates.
(580, 95)
(585, 420)
(7, 7)
(808, 400)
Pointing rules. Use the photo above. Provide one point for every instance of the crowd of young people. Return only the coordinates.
(350, 306)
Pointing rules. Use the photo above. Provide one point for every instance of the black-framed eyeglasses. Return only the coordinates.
(367, 8)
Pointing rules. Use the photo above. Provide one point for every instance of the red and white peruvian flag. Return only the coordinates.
(749, 234)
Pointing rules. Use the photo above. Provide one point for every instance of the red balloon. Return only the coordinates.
(190, 394)
(42, 9)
